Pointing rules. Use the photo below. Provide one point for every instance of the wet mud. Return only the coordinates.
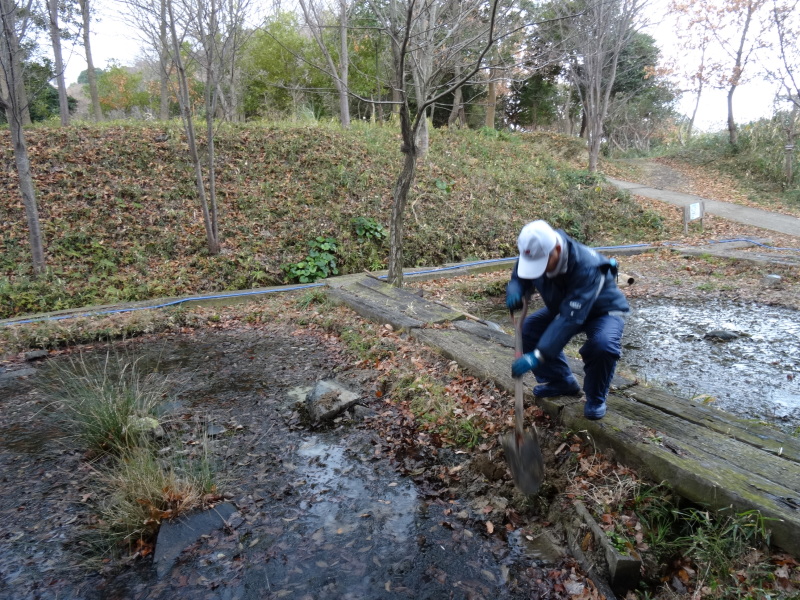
(321, 512)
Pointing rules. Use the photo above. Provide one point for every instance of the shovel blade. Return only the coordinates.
(525, 461)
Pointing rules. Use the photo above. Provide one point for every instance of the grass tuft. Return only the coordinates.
(145, 473)
(144, 491)
(437, 410)
(109, 404)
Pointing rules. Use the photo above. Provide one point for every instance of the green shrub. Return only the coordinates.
(367, 228)
(320, 262)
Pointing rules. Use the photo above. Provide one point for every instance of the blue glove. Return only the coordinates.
(514, 295)
(523, 364)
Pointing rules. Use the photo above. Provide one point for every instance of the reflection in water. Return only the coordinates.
(391, 513)
(354, 529)
(752, 375)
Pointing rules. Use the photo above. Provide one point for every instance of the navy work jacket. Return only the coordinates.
(586, 290)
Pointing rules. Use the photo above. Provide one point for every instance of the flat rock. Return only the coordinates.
(36, 355)
(328, 399)
(174, 536)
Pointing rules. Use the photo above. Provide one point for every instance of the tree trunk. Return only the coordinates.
(733, 133)
(491, 101)
(737, 74)
(55, 38)
(694, 112)
(97, 113)
(457, 117)
(423, 137)
(15, 112)
(186, 113)
(400, 199)
(212, 95)
(396, 227)
(163, 62)
(344, 62)
(28, 193)
(595, 138)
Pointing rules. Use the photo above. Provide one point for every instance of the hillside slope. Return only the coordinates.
(121, 220)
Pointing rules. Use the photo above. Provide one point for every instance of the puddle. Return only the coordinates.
(755, 375)
(362, 532)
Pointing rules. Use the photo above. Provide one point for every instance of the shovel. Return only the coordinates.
(522, 450)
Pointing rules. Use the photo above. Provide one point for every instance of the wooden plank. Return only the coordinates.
(716, 445)
(692, 474)
(484, 360)
(484, 332)
(403, 301)
(758, 436)
(373, 311)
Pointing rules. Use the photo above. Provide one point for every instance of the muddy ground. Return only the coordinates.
(366, 507)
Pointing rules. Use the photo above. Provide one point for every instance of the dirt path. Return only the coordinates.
(676, 176)
(664, 177)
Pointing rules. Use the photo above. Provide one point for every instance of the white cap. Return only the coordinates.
(536, 241)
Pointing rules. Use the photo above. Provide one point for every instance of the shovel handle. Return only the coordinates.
(519, 419)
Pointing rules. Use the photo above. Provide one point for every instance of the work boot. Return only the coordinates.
(567, 387)
(594, 410)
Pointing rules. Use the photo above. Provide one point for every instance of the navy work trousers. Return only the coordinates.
(600, 353)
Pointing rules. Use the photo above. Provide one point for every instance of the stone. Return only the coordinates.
(328, 399)
(215, 430)
(36, 355)
(176, 535)
(721, 335)
(142, 424)
(771, 280)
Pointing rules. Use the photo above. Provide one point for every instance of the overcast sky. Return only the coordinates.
(113, 39)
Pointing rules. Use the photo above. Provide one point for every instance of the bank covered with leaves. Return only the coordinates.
(121, 220)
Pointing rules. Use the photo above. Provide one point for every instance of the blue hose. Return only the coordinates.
(313, 285)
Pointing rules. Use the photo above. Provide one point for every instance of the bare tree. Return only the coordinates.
(151, 18)
(218, 29)
(737, 28)
(12, 104)
(17, 16)
(424, 50)
(209, 208)
(55, 39)
(215, 29)
(743, 16)
(85, 7)
(316, 17)
(592, 40)
(786, 21)
(695, 65)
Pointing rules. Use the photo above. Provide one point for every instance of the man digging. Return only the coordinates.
(580, 293)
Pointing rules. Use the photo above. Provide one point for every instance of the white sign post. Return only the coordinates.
(692, 212)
